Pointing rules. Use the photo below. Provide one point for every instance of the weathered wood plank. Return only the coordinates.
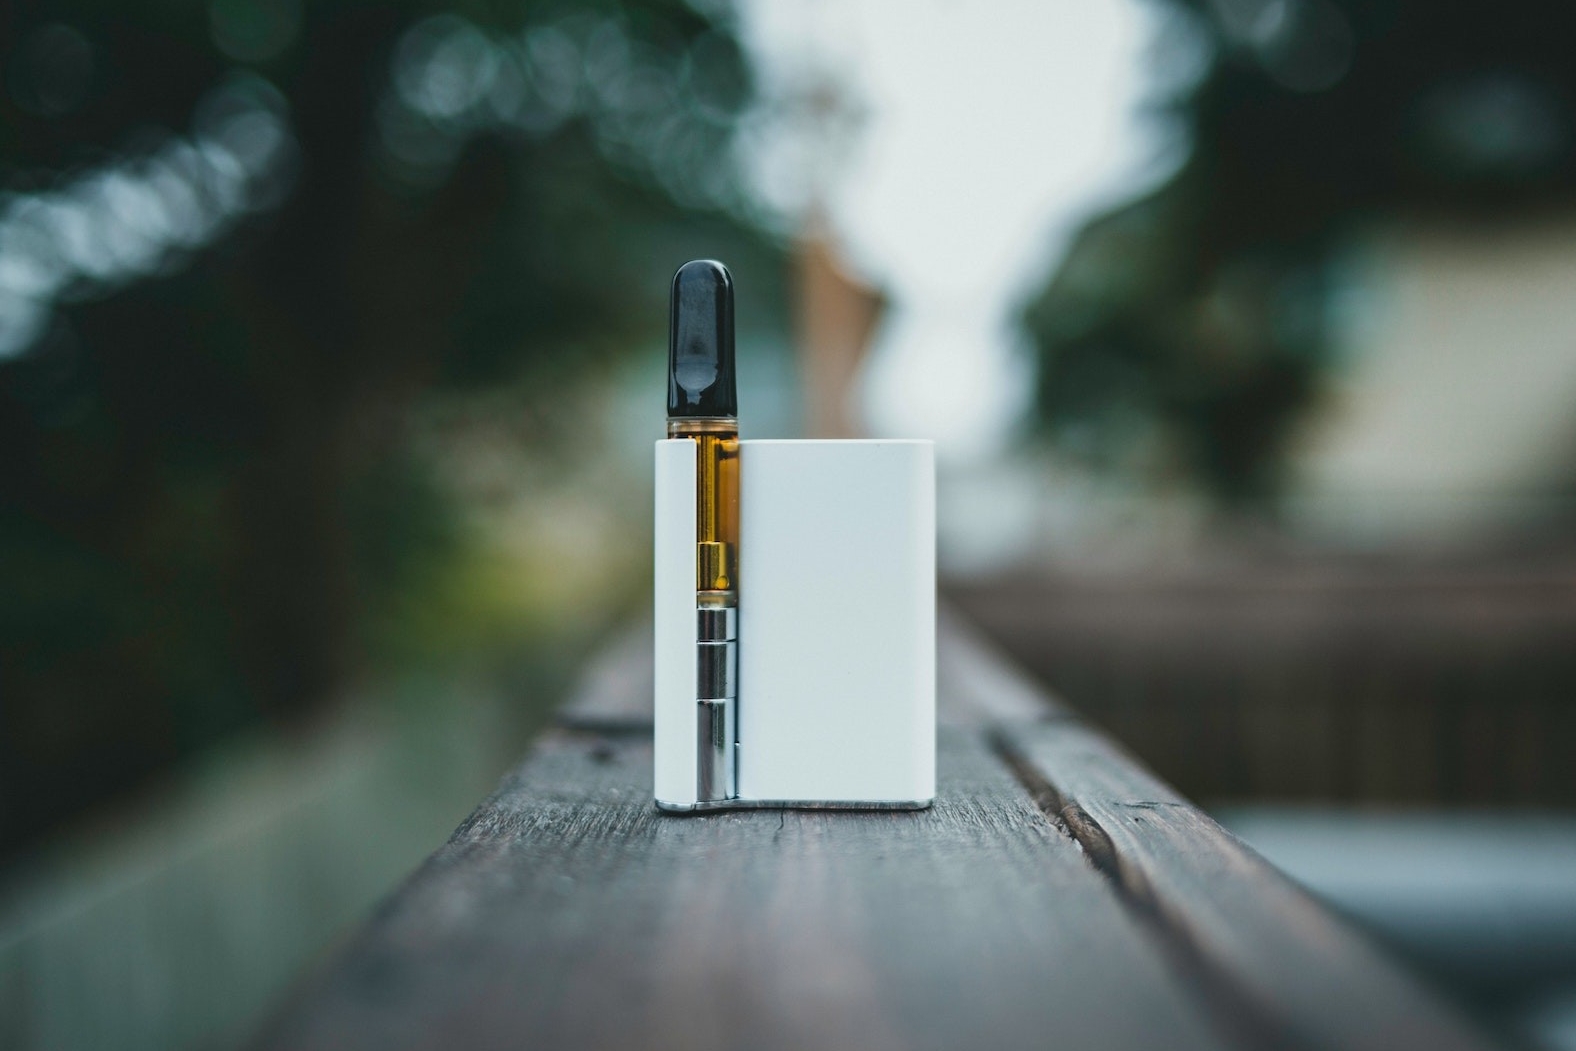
(1277, 968)
(616, 692)
(1057, 895)
(568, 913)
(977, 686)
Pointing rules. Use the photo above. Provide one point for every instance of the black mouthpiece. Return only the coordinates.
(700, 342)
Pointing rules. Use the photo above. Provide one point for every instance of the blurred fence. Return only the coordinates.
(1351, 681)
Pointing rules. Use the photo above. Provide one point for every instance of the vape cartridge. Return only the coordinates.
(703, 406)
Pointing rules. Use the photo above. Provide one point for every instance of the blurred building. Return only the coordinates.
(1451, 417)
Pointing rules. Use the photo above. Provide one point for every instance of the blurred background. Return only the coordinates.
(332, 337)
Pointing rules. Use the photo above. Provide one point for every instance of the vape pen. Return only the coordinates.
(703, 406)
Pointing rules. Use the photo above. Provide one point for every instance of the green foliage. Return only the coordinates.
(1191, 329)
(210, 507)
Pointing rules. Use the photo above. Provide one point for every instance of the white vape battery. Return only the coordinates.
(822, 686)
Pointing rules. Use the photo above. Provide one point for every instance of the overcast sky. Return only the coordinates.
(984, 133)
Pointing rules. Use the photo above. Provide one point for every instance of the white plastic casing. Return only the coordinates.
(837, 624)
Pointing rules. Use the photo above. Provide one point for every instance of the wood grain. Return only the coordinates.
(568, 913)
(1277, 968)
(1057, 895)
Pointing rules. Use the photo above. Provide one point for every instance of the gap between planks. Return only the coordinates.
(1275, 1006)
(1244, 1020)
(1274, 968)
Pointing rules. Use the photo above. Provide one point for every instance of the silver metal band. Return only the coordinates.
(714, 773)
(717, 623)
(716, 692)
(716, 670)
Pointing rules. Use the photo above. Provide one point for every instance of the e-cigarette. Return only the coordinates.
(703, 406)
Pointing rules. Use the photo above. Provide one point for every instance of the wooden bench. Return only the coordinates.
(1057, 895)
